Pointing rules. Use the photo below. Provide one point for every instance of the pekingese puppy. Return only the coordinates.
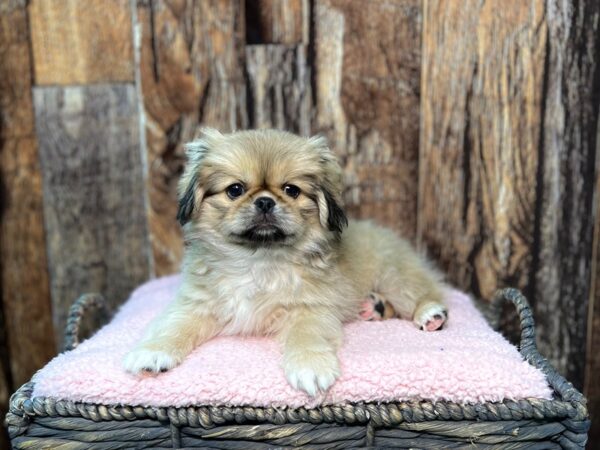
(269, 251)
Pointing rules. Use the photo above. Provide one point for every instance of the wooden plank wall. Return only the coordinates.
(367, 64)
(191, 73)
(569, 146)
(89, 149)
(26, 332)
(470, 127)
(510, 137)
(592, 386)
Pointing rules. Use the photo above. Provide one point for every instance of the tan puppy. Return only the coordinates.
(268, 253)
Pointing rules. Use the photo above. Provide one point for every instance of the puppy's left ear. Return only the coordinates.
(336, 217)
(329, 195)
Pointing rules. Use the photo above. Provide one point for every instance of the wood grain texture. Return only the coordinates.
(508, 128)
(24, 281)
(26, 335)
(481, 109)
(367, 103)
(192, 74)
(81, 42)
(4, 397)
(277, 22)
(279, 89)
(94, 199)
(592, 360)
(567, 181)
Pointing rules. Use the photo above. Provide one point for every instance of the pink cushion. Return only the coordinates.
(381, 362)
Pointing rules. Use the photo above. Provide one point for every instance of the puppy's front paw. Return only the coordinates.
(146, 360)
(312, 372)
(431, 317)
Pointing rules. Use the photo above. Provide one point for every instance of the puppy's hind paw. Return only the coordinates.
(143, 360)
(432, 317)
(375, 307)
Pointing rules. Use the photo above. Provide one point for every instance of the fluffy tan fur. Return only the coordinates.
(295, 272)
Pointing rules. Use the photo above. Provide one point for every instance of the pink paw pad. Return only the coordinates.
(435, 323)
(372, 308)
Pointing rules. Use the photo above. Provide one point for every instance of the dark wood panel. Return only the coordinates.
(277, 22)
(367, 64)
(24, 277)
(279, 88)
(77, 42)
(592, 359)
(563, 264)
(94, 199)
(26, 335)
(192, 74)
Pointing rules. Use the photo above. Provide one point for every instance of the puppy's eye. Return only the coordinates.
(291, 190)
(235, 190)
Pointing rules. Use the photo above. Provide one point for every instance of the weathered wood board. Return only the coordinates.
(562, 268)
(279, 89)
(94, 196)
(504, 186)
(26, 333)
(25, 295)
(367, 66)
(79, 42)
(480, 135)
(592, 360)
(192, 74)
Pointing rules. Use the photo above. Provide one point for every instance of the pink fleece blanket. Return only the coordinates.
(381, 361)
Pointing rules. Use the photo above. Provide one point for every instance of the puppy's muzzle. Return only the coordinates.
(264, 204)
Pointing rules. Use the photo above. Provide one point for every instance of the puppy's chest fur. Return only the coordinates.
(252, 299)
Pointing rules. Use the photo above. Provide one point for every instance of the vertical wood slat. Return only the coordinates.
(75, 42)
(367, 67)
(481, 87)
(219, 48)
(192, 74)
(592, 360)
(25, 292)
(279, 88)
(512, 185)
(572, 100)
(26, 335)
(94, 199)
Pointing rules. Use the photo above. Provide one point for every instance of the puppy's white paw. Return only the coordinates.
(312, 373)
(431, 317)
(146, 360)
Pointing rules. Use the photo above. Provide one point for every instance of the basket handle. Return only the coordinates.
(528, 347)
(76, 313)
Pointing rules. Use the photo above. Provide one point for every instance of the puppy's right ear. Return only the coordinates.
(190, 190)
(187, 201)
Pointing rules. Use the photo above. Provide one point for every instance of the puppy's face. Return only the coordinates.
(261, 188)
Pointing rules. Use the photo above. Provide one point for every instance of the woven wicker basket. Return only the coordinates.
(36, 423)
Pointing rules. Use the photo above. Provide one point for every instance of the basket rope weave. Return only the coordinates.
(76, 313)
(567, 414)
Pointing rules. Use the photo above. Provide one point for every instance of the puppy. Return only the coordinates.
(269, 251)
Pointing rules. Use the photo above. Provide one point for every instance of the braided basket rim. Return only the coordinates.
(569, 402)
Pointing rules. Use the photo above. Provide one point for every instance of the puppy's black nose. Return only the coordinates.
(265, 204)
